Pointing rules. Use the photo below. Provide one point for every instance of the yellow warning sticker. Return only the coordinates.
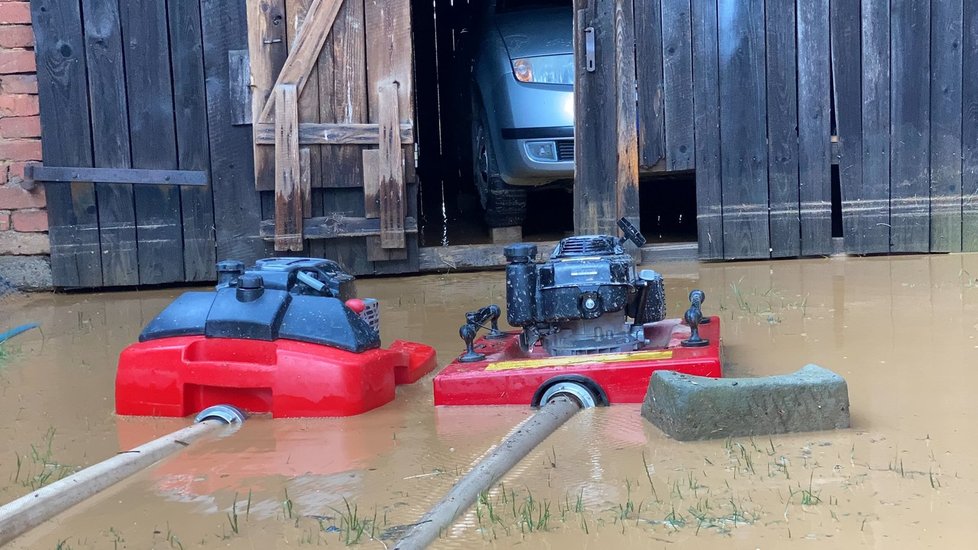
(570, 360)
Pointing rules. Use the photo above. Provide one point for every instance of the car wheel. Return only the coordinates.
(504, 205)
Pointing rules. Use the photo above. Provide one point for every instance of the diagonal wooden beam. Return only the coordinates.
(303, 56)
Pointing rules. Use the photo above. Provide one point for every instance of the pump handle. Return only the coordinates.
(630, 233)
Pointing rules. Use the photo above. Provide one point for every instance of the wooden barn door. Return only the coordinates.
(125, 141)
(332, 113)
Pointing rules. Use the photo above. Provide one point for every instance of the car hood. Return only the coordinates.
(529, 33)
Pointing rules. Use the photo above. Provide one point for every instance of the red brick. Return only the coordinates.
(24, 244)
(15, 12)
(20, 127)
(18, 83)
(4, 220)
(17, 61)
(13, 197)
(20, 149)
(19, 105)
(16, 170)
(16, 36)
(29, 221)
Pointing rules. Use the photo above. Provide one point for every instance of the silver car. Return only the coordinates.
(522, 103)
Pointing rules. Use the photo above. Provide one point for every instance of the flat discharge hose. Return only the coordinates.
(29, 511)
(530, 433)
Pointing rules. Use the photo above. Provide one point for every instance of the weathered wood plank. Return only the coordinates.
(338, 226)
(866, 218)
(152, 132)
(239, 76)
(72, 214)
(651, 116)
(677, 71)
(627, 143)
(909, 126)
(782, 129)
(389, 55)
(304, 51)
(288, 194)
(706, 103)
(110, 141)
(190, 108)
(267, 52)
(305, 181)
(296, 11)
(40, 172)
(327, 133)
(969, 129)
(343, 93)
(945, 126)
(847, 82)
(371, 183)
(743, 113)
(390, 169)
(237, 210)
(595, 122)
(814, 131)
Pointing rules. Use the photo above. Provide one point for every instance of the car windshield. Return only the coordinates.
(503, 6)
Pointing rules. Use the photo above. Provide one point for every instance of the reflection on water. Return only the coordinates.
(901, 330)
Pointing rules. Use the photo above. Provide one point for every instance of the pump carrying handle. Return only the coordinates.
(630, 233)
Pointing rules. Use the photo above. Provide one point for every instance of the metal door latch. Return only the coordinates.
(589, 49)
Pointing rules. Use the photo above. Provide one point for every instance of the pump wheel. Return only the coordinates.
(575, 391)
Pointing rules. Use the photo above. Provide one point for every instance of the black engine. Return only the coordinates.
(579, 301)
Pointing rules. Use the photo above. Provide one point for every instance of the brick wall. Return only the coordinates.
(23, 220)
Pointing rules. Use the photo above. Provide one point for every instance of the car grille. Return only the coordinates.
(565, 149)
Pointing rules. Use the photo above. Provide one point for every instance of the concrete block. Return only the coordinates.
(693, 407)
(25, 273)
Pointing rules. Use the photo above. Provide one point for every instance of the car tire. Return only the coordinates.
(504, 205)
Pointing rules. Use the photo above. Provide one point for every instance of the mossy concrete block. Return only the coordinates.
(694, 407)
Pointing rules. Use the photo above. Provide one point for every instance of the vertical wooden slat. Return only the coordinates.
(782, 129)
(72, 218)
(945, 126)
(814, 131)
(866, 218)
(371, 183)
(153, 139)
(288, 196)
(391, 169)
(343, 92)
(305, 180)
(743, 113)
(648, 50)
(237, 210)
(267, 51)
(110, 140)
(969, 129)
(677, 71)
(190, 109)
(846, 83)
(595, 124)
(389, 55)
(909, 126)
(627, 143)
(309, 97)
(706, 103)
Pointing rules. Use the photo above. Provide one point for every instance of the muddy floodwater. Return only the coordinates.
(903, 331)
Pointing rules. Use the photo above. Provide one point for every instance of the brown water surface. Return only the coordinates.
(901, 330)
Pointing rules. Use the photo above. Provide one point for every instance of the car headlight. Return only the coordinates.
(546, 69)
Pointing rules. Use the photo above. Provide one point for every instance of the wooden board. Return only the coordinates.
(267, 51)
(969, 129)
(846, 89)
(288, 194)
(72, 215)
(909, 127)
(190, 110)
(627, 144)
(743, 113)
(866, 220)
(677, 71)
(782, 129)
(338, 226)
(153, 139)
(343, 93)
(296, 11)
(945, 126)
(237, 209)
(648, 49)
(40, 172)
(706, 104)
(239, 76)
(329, 133)
(110, 141)
(390, 169)
(814, 132)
